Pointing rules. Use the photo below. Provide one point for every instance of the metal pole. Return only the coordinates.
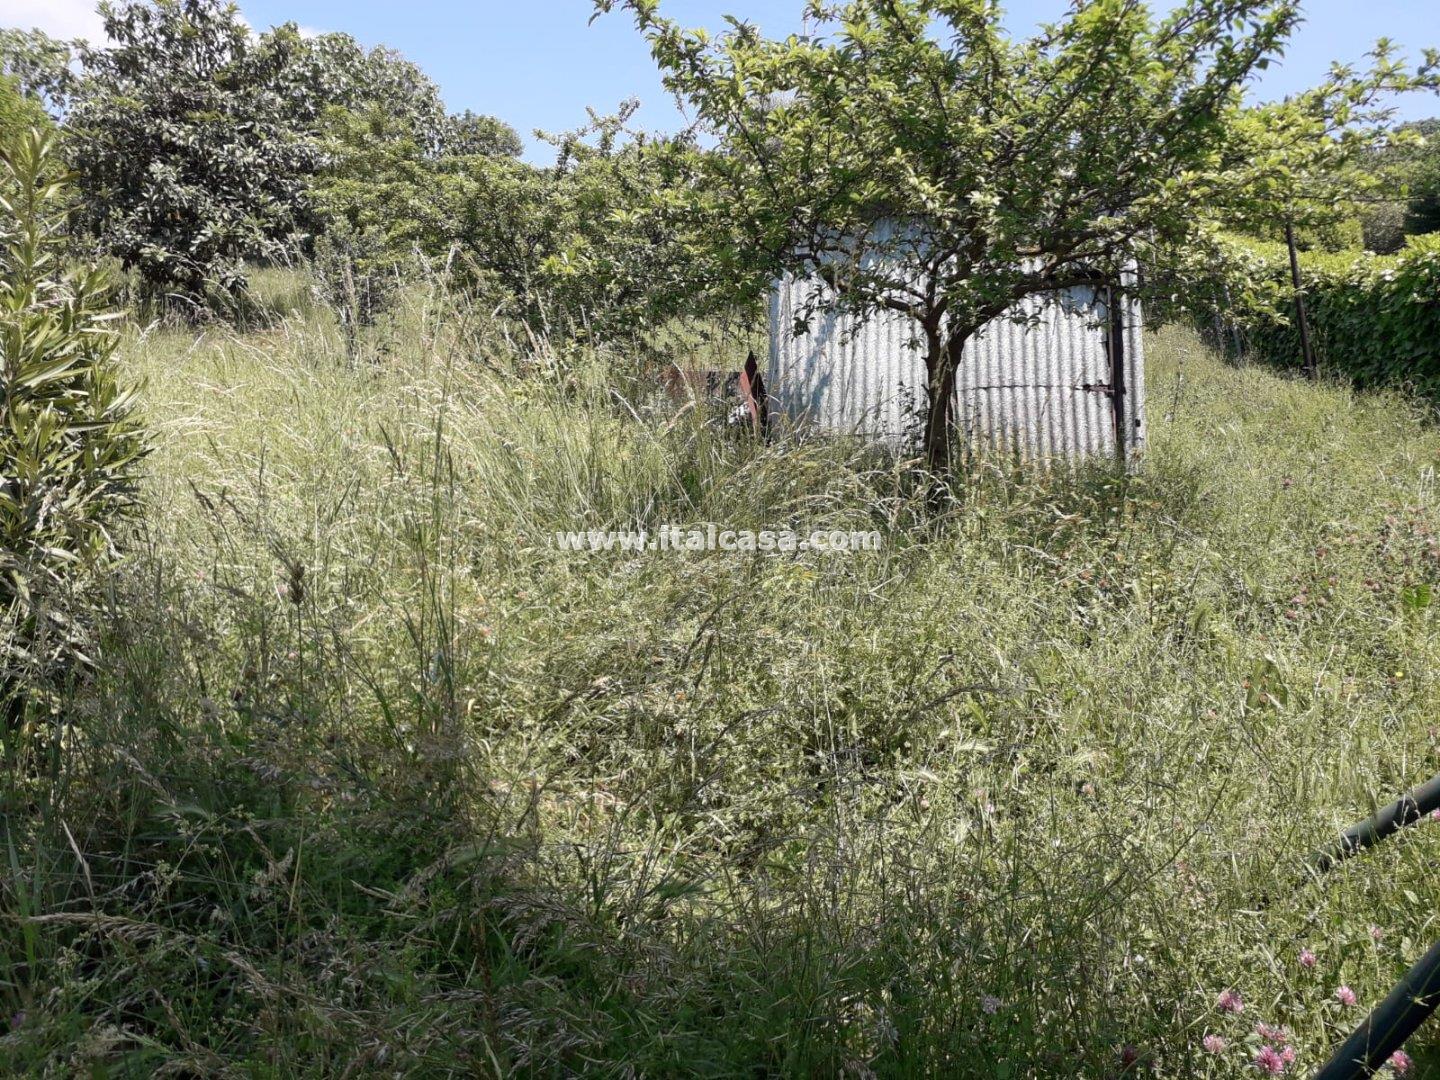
(1393, 1021)
(1304, 322)
(1406, 810)
(1113, 300)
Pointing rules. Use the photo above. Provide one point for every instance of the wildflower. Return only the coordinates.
(1269, 1061)
(1400, 1062)
(1287, 1055)
(1435, 814)
(1345, 995)
(1272, 1034)
(1214, 1044)
(1129, 1055)
(1230, 1001)
(990, 1004)
(1307, 958)
(1376, 933)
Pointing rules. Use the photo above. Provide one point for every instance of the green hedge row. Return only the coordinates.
(1375, 319)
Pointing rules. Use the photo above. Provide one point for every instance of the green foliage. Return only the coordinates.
(68, 444)
(469, 134)
(40, 64)
(18, 114)
(1375, 319)
(1383, 224)
(573, 249)
(1406, 170)
(998, 800)
(1340, 234)
(918, 159)
(357, 275)
(187, 157)
(376, 206)
(1422, 211)
(196, 142)
(329, 73)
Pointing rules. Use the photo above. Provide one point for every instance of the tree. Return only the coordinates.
(470, 134)
(40, 65)
(572, 249)
(187, 154)
(916, 159)
(197, 142)
(1422, 209)
(1405, 168)
(18, 113)
(318, 75)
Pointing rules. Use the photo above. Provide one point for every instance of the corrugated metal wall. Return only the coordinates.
(1040, 387)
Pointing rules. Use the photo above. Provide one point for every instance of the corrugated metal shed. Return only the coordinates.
(1042, 380)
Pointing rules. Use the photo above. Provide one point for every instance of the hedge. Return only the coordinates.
(1374, 319)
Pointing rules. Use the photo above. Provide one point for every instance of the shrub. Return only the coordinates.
(1375, 319)
(69, 446)
(575, 250)
(1384, 226)
(1340, 234)
(357, 276)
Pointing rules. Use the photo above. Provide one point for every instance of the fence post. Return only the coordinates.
(1309, 350)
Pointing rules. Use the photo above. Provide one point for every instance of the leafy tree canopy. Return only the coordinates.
(1411, 165)
(573, 248)
(41, 66)
(197, 141)
(18, 113)
(333, 71)
(184, 141)
(469, 134)
(918, 159)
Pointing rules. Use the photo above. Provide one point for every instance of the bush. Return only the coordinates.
(1384, 225)
(1341, 234)
(1374, 319)
(356, 276)
(68, 445)
(576, 250)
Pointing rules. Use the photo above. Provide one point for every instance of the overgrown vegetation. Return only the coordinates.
(1374, 319)
(69, 447)
(347, 768)
(373, 778)
(920, 161)
(574, 250)
(1410, 169)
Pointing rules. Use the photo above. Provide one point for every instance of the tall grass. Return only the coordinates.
(371, 778)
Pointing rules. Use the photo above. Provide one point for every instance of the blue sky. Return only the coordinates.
(539, 63)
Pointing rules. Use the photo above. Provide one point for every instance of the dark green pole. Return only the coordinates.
(1409, 808)
(1311, 368)
(1393, 1021)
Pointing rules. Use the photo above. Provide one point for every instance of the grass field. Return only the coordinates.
(372, 779)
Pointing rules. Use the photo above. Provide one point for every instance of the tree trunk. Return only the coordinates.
(942, 364)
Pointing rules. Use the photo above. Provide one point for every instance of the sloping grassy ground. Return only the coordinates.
(371, 779)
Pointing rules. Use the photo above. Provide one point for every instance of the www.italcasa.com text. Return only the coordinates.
(712, 537)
